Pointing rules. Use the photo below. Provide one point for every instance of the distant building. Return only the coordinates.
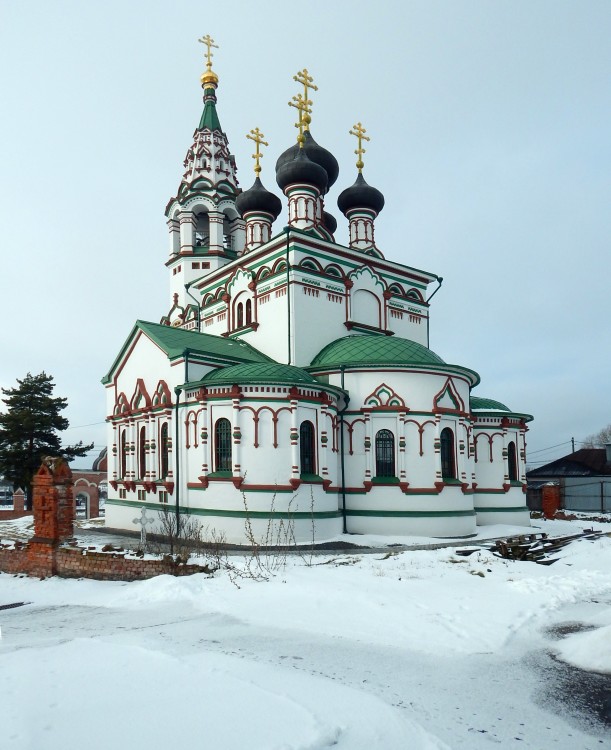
(6, 492)
(91, 488)
(584, 479)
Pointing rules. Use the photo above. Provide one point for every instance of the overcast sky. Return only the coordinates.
(490, 139)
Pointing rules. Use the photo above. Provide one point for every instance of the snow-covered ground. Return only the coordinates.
(408, 649)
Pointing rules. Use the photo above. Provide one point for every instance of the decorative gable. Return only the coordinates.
(384, 397)
(448, 399)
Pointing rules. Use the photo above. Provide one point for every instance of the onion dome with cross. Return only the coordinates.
(305, 141)
(361, 203)
(257, 206)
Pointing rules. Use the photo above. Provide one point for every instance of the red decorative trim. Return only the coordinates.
(237, 482)
(439, 486)
(449, 386)
(367, 485)
(204, 481)
(294, 483)
(114, 484)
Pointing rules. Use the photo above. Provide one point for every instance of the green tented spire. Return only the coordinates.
(209, 119)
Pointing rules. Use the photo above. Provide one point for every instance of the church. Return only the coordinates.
(290, 380)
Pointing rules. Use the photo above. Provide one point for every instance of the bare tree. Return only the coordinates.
(598, 439)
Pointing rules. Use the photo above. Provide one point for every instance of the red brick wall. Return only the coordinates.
(43, 560)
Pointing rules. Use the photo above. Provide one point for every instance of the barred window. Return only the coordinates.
(123, 454)
(164, 447)
(385, 454)
(248, 312)
(512, 460)
(222, 445)
(307, 448)
(448, 461)
(240, 316)
(142, 453)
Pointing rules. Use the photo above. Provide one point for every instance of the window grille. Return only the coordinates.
(385, 454)
(448, 462)
(222, 445)
(512, 460)
(142, 453)
(307, 448)
(123, 454)
(164, 445)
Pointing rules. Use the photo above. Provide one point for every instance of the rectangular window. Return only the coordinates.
(163, 496)
(206, 264)
(195, 266)
(122, 494)
(142, 495)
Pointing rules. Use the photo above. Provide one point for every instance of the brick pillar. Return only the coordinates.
(19, 501)
(550, 499)
(53, 506)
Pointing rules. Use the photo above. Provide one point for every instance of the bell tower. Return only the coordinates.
(206, 230)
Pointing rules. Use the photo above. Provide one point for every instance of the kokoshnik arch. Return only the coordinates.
(291, 375)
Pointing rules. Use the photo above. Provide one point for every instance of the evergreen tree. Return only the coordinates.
(29, 427)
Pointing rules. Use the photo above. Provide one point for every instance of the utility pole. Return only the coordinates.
(573, 444)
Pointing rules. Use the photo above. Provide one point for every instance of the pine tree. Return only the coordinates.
(29, 427)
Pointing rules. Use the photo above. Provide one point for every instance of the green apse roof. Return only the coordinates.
(487, 404)
(209, 119)
(176, 341)
(375, 350)
(268, 372)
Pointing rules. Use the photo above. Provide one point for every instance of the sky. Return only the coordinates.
(489, 126)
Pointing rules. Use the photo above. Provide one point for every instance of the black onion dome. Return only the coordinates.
(301, 169)
(329, 221)
(257, 198)
(315, 153)
(360, 195)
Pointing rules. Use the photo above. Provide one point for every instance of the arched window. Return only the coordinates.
(222, 445)
(164, 451)
(512, 461)
(385, 454)
(307, 448)
(248, 312)
(123, 454)
(142, 453)
(240, 315)
(448, 462)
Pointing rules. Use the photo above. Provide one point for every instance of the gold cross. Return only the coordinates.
(304, 108)
(209, 42)
(306, 80)
(359, 131)
(257, 136)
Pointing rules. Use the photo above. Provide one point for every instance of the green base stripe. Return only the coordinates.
(277, 514)
(410, 513)
(522, 509)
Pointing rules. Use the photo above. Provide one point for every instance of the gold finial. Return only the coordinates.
(359, 131)
(307, 82)
(257, 136)
(304, 108)
(209, 77)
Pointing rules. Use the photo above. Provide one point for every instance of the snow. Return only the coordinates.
(590, 650)
(418, 648)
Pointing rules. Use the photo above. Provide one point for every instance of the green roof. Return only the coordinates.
(375, 350)
(176, 341)
(487, 404)
(209, 118)
(268, 372)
